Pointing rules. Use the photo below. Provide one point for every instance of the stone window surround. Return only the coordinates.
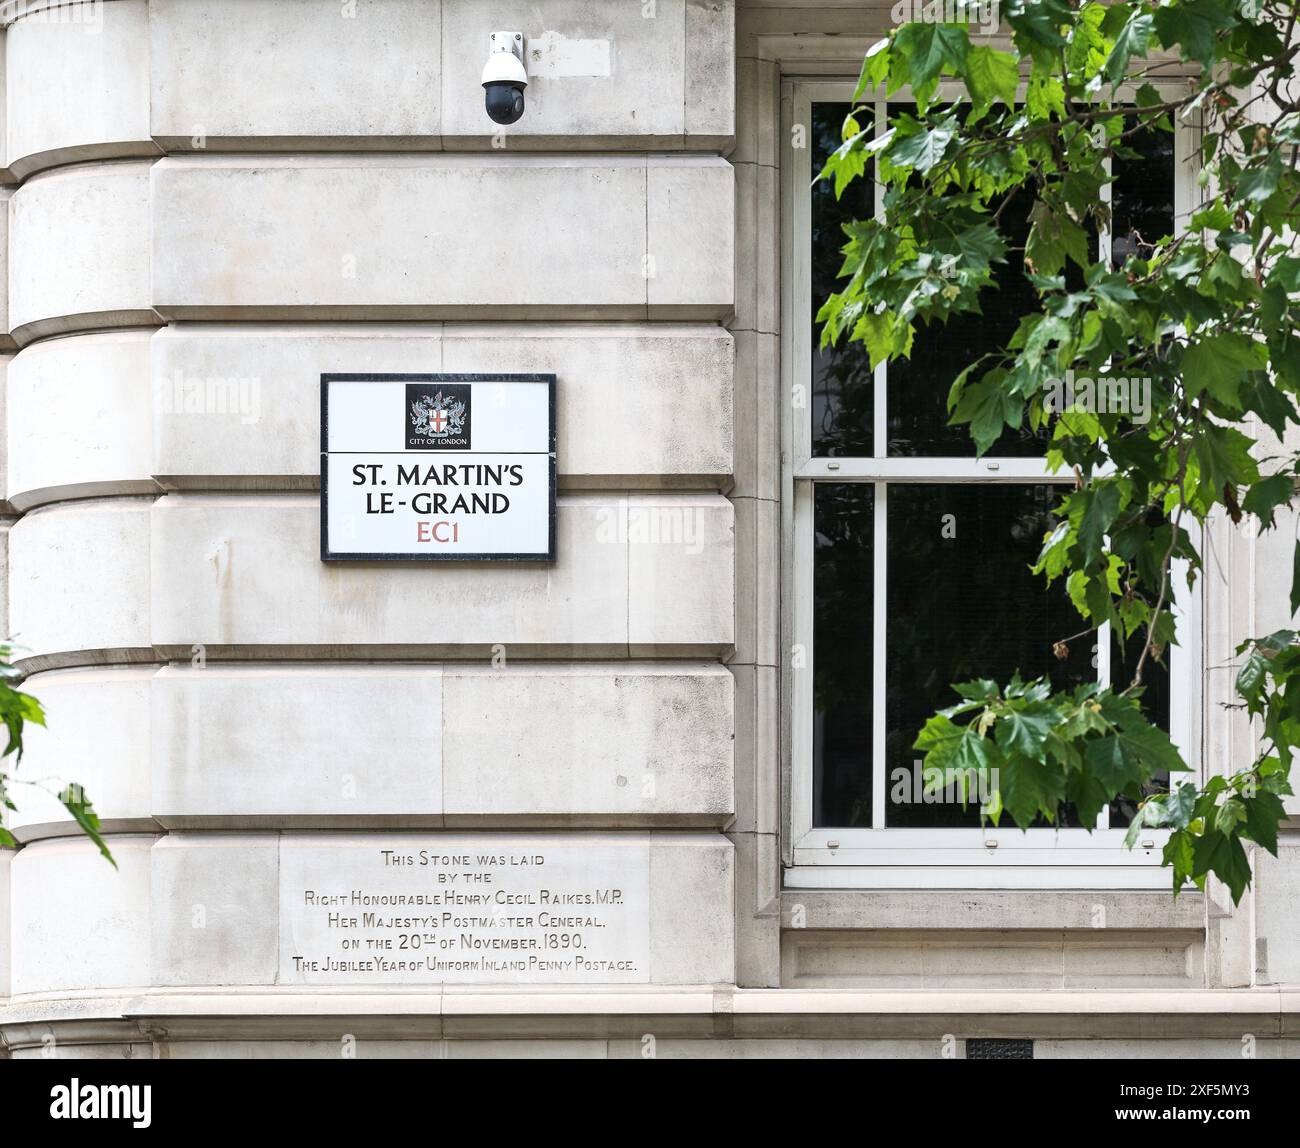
(813, 42)
(1001, 857)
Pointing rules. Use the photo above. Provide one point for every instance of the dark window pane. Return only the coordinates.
(843, 527)
(841, 405)
(919, 386)
(963, 604)
(1142, 196)
(1142, 213)
(1155, 704)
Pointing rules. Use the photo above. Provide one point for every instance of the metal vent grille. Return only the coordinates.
(999, 1050)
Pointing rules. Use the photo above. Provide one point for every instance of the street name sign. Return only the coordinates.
(437, 467)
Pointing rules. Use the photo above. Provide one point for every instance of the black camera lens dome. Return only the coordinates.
(505, 102)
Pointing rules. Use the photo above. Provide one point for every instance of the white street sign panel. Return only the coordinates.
(437, 467)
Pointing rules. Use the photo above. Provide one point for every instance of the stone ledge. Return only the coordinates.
(990, 959)
(334, 653)
(702, 1011)
(869, 909)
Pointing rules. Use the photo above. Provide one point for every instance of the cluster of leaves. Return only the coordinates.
(16, 710)
(1046, 750)
(1209, 319)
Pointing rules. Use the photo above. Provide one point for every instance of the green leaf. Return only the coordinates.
(975, 752)
(1229, 815)
(927, 51)
(885, 336)
(923, 150)
(1267, 495)
(1132, 41)
(1178, 855)
(1274, 406)
(1025, 731)
(848, 161)
(76, 802)
(1286, 273)
(1220, 365)
(1222, 855)
(1054, 238)
(1214, 216)
(1192, 24)
(1044, 96)
(875, 69)
(980, 690)
(1102, 504)
(979, 246)
(988, 407)
(1224, 457)
(991, 76)
(1181, 803)
(1031, 789)
(1251, 678)
(1149, 744)
(1263, 813)
(938, 741)
(1295, 579)
(1037, 26)
(1113, 766)
(1258, 183)
(1150, 812)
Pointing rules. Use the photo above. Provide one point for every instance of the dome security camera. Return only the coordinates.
(504, 78)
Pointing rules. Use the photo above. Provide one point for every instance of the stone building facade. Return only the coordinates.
(211, 203)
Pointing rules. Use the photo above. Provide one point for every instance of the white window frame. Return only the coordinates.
(972, 858)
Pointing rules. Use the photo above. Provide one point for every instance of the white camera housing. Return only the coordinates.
(505, 78)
